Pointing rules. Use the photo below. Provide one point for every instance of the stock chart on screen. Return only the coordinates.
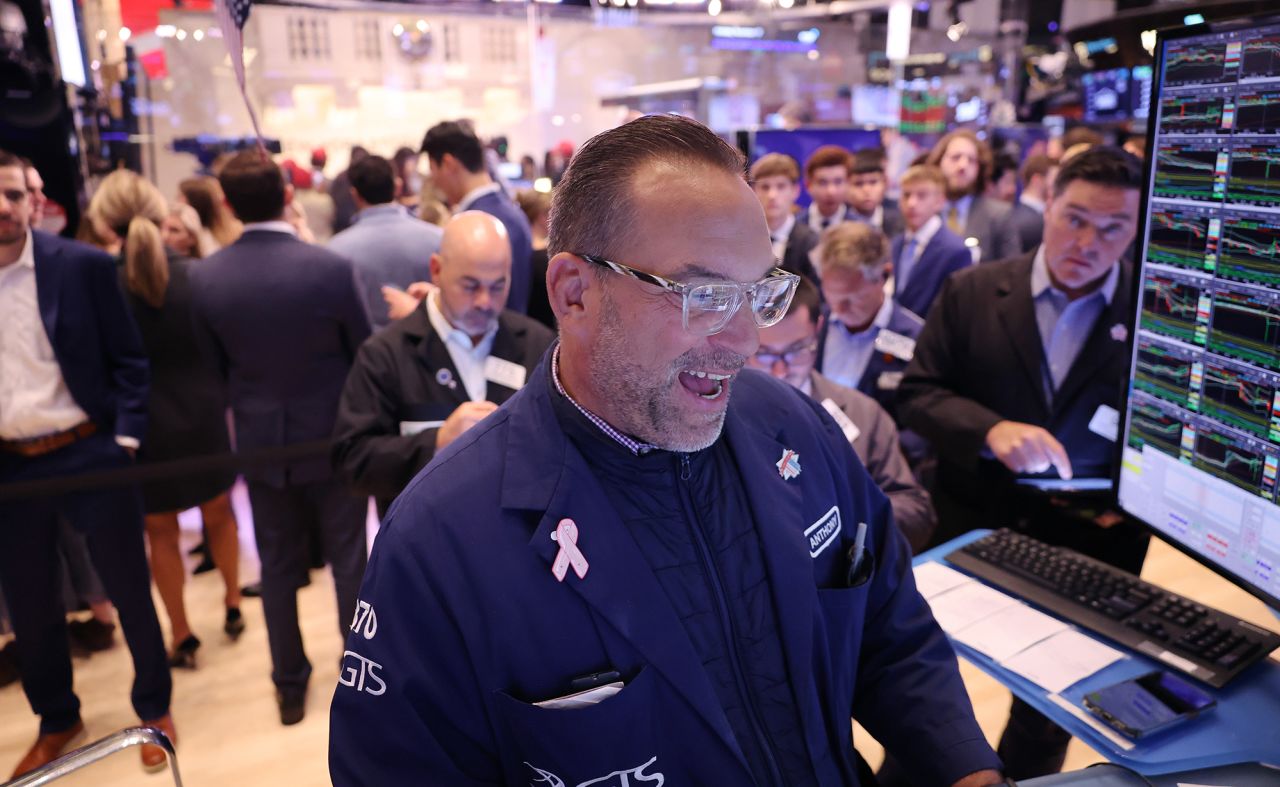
(1201, 439)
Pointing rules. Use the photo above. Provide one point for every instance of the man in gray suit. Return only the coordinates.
(1027, 217)
(387, 246)
(966, 161)
(787, 351)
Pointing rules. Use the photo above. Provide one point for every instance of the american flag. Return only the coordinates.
(232, 16)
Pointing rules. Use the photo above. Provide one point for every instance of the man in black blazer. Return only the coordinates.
(967, 163)
(927, 252)
(419, 384)
(1014, 364)
(868, 183)
(282, 321)
(775, 178)
(73, 390)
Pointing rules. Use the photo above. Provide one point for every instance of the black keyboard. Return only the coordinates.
(1199, 641)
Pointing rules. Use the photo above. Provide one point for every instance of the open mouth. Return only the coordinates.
(705, 385)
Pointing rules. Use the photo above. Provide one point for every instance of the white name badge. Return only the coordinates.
(414, 427)
(895, 344)
(850, 429)
(504, 372)
(889, 381)
(1105, 422)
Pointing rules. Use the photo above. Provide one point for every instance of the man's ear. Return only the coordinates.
(569, 278)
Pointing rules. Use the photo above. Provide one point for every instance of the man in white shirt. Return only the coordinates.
(775, 178)
(826, 177)
(73, 388)
(421, 383)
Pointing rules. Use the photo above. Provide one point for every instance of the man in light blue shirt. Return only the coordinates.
(386, 245)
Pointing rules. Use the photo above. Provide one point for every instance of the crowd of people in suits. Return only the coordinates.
(956, 339)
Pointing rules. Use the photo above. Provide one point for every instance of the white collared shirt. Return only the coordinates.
(276, 225)
(34, 399)
(876, 219)
(468, 358)
(1033, 203)
(782, 236)
(816, 218)
(466, 202)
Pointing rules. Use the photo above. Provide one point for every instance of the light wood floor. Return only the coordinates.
(225, 711)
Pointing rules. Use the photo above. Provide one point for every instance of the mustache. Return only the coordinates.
(718, 359)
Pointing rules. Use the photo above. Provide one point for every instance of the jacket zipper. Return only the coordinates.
(726, 622)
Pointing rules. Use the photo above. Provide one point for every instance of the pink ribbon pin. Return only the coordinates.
(566, 535)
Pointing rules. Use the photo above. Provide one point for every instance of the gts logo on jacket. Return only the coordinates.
(628, 778)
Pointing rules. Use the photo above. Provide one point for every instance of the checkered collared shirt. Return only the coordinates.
(636, 447)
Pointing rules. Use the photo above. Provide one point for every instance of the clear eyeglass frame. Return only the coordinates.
(707, 307)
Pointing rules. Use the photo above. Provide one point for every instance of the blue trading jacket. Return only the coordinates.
(462, 626)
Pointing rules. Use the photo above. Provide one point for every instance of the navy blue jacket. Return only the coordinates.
(92, 333)
(462, 626)
(501, 207)
(945, 254)
(282, 321)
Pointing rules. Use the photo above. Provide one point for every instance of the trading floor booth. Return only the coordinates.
(1199, 444)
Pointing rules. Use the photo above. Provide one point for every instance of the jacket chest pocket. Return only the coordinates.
(617, 735)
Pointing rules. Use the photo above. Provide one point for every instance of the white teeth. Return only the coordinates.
(715, 393)
(710, 376)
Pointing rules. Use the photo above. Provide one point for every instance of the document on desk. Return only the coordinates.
(1062, 660)
(1010, 631)
(934, 579)
(967, 604)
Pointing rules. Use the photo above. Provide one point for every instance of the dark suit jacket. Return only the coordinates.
(988, 221)
(394, 379)
(281, 320)
(802, 240)
(891, 223)
(94, 338)
(877, 446)
(1029, 224)
(979, 361)
(945, 254)
(501, 207)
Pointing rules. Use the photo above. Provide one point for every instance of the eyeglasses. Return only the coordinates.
(793, 355)
(708, 308)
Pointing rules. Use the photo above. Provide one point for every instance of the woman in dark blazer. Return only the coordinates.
(187, 406)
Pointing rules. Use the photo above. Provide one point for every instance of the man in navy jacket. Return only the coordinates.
(73, 390)
(458, 169)
(927, 252)
(282, 321)
(619, 575)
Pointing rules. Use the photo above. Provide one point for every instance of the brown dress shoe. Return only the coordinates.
(47, 748)
(153, 757)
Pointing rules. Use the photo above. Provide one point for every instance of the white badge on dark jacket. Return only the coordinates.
(503, 372)
(895, 344)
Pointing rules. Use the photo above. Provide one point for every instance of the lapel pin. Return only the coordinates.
(789, 465)
(445, 378)
(566, 535)
(1119, 332)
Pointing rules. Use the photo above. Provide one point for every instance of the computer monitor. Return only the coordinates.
(1200, 438)
(1107, 95)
